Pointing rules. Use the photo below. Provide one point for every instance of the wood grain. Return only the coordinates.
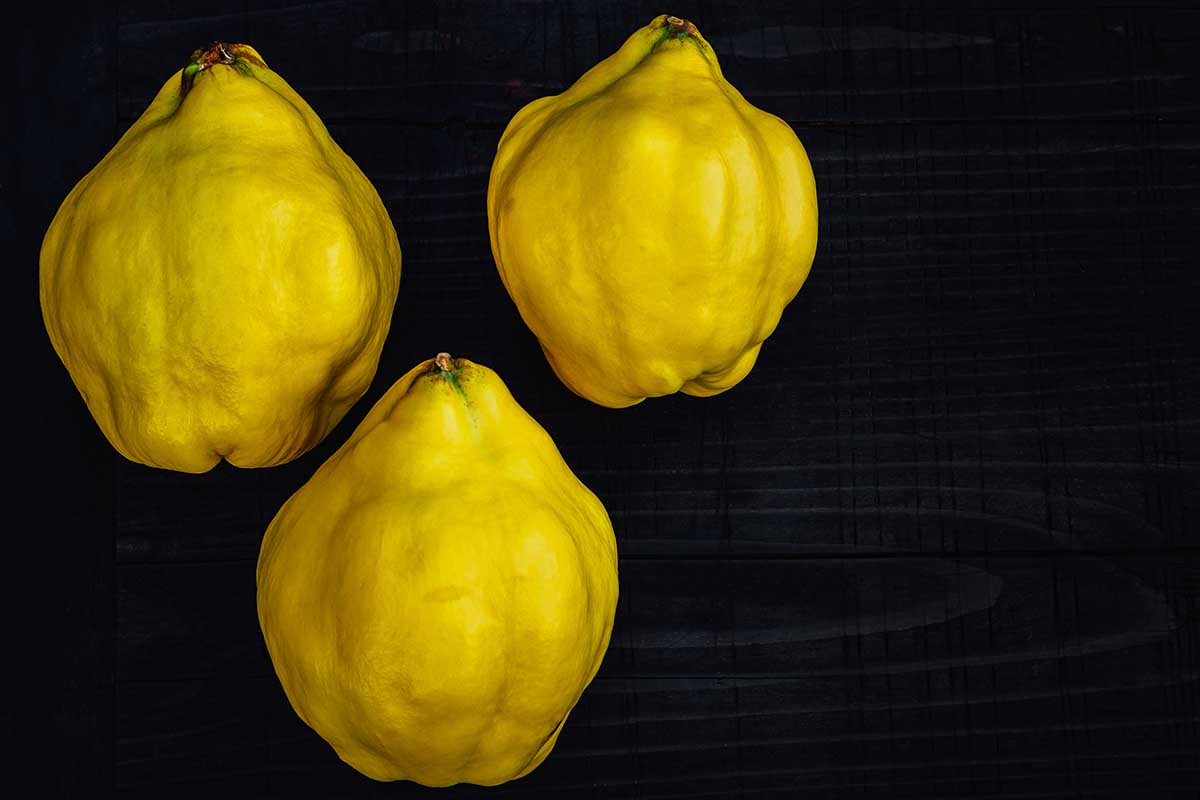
(58, 587)
(734, 671)
(940, 543)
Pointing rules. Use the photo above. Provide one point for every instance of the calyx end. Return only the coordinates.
(239, 56)
(229, 54)
(681, 27)
(667, 28)
(444, 362)
(449, 370)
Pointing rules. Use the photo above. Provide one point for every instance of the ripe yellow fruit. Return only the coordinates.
(437, 597)
(649, 223)
(222, 282)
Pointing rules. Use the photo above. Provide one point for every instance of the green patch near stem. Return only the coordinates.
(674, 28)
(238, 56)
(446, 367)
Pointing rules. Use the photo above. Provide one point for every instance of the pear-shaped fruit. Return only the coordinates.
(222, 282)
(437, 597)
(649, 223)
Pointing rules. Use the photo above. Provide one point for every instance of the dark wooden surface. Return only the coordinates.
(942, 541)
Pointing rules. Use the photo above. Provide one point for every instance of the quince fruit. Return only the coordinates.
(437, 597)
(649, 223)
(220, 285)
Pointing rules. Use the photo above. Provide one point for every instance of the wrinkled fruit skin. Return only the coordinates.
(437, 597)
(220, 285)
(649, 223)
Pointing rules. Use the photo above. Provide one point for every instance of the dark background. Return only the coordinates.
(940, 543)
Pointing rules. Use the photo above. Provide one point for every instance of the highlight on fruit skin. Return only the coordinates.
(437, 597)
(221, 284)
(649, 223)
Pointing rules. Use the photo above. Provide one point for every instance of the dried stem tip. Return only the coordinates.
(215, 53)
(229, 54)
(444, 362)
(682, 25)
(240, 57)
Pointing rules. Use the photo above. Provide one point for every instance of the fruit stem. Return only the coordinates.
(444, 365)
(680, 28)
(217, 53)
(238, 56)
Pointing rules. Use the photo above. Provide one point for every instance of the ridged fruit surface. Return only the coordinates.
(649, 223)
(437, 597)
(220, 285)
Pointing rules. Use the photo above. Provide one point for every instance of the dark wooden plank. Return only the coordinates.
(480, 61)
(211, 730)
(866, 676)
(56, 716)
(738, 616)
(199, 617)
(940, 543)
(944, 380)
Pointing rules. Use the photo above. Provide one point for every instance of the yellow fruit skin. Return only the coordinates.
(437, 597)
(649, 223)
(222, 282)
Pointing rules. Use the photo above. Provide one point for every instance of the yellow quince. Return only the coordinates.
(649, 223)
(437, 597)
(220, 285)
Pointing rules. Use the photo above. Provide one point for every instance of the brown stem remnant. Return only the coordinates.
(217, 53)
(682, 27)
(676, 29)
(237, 56)
(224, 53)
(444, 366)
